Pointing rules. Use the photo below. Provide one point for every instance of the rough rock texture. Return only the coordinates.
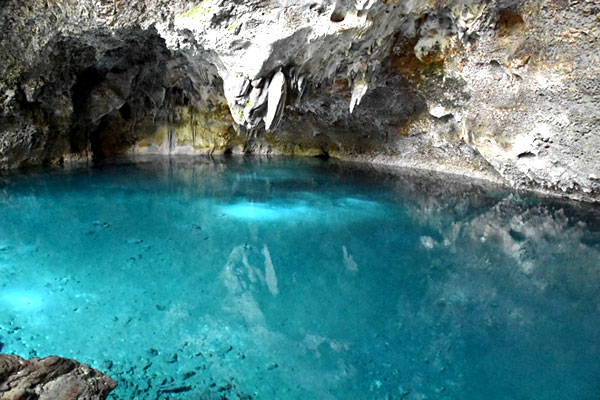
(506, 90)
(51, 378)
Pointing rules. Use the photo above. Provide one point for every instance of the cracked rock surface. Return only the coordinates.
(505, 90)
(51, 378)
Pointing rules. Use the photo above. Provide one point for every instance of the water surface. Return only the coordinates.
(287, 279)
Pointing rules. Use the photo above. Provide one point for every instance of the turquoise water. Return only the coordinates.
(249, 278)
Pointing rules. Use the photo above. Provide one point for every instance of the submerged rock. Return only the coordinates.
(51, 378)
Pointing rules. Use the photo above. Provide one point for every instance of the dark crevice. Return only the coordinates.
(125, 112)
(324, 155)
(337, 16)
(86, 81)
(526, 154)
(96, 143)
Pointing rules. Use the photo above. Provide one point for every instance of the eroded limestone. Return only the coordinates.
(506, 90)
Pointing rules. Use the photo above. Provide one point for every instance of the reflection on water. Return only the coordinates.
(266, 212)
(22, 300)
(256, 278)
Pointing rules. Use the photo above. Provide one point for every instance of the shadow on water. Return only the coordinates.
(301, 279)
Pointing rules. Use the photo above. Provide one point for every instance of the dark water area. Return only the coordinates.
(254, 278)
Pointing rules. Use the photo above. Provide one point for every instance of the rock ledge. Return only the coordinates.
(51, 378)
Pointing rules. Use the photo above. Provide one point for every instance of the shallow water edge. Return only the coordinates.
(385, 165)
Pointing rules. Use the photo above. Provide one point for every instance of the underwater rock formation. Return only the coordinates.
(505, 90)
(51, 378)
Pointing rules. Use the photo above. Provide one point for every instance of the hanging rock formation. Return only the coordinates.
(275, 100)
(51, 378)
(506, 90)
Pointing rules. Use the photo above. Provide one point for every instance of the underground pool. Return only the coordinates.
(258, 278)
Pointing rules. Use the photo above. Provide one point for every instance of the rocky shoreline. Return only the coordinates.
(51, 378)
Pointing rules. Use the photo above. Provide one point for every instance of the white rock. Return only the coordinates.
(276, 100)
(359, 89)
(438, 111)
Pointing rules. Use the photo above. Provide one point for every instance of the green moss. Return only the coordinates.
(200, 9)
(239, 112)
(206, 130)
(232, 26)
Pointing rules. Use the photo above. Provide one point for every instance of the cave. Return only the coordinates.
(219, 199)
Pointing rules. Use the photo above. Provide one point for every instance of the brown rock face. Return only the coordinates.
(51, 378)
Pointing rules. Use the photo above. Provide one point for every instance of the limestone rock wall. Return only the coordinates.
(506, 90)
